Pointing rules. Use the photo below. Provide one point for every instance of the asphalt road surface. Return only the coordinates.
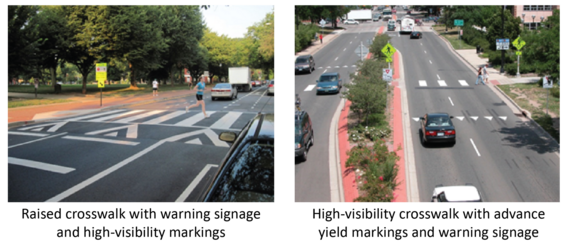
(145, 153)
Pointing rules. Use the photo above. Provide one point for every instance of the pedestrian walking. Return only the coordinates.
(199, 88)
(485, 74)
(479, 76)
(321, 37)
(154, 88)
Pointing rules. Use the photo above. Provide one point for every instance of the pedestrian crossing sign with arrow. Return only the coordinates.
(519, 43)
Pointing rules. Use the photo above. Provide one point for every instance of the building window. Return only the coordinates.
(537, 6)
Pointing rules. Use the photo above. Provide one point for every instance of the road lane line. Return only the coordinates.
(335, 171)
(451, 101)
(40, 165)
(442, 83)
(336, 58)
(423, 83)
(29, 142)
(103, 173)
(195, 182)
(324, 71)
(344, 49)
(438, 77)
(475, 147)
(430, 62)
(118, 142)
(425, 51)
(27, 134)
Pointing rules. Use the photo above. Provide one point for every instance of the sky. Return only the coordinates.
(233, 20)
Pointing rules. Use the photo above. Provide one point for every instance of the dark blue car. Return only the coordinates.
(329, 83)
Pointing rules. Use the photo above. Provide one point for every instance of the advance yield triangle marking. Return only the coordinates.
(490, 118)
(504, 118)
(132, 131)
(416, 119)
(54, 127)
(474, 118)
(460, 118)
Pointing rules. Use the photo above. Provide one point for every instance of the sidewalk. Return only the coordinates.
(81, 104)
(316, 45)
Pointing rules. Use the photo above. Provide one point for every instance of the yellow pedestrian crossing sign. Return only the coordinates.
(101, 74)
(519, 43)
(389, 59)
(519, 53)
(388, 50)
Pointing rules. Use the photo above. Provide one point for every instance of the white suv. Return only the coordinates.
(350, 22)
(458, 193)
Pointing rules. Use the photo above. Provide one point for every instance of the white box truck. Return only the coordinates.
(240, 77)
(407, 25)
(360, 14)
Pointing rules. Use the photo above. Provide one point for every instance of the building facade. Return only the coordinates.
(533, 15)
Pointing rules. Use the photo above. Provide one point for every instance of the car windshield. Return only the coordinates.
(297, 129)
(271, 82)
(438, 121)
(302, 60)
(223, 85)
(327, 79)
(250, 177)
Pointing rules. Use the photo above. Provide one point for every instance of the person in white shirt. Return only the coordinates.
(154, 88)
(485, 74)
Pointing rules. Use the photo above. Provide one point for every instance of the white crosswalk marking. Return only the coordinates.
(164, 118)
(463, 83)
(310, 87)
(40, 165)
(95, 115)
(193, 119)
(140, 116)
(423, 83)
(442, 83)
(101, 119)
(227, 120)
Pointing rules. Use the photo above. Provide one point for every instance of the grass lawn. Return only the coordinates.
(452, 35)
(532, 97)
(18, 102)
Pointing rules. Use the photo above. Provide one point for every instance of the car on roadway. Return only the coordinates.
(391, 25)
(271, 87)
(246, 174)
(458, 193)
(377, 17)
(257, 83)
(409, 12)
(329, 82)
(304, 137)
(304, 64)
(437, 128)
(224, 91)
(415, 34)
(351, 22)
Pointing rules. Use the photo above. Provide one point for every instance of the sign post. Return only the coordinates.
(547, 84)
(101, 76)
(388, 50)
(518, 43)
(459, 23)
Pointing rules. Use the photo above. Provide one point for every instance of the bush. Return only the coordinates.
(378, 171)
(495, 58)
(555, 91)
(304, 35)
(511, 69)
(379, 42)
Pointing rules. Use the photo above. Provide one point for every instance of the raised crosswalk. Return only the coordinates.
(216, 120)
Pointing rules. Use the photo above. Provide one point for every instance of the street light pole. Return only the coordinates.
(533, 21)
(503, 51)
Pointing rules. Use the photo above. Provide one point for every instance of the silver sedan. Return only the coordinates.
(224, 90)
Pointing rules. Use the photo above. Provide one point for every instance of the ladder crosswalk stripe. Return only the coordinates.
(94, 115)
(463, 83)
(442, 83)
(164, 118)
(140, 116)
(193, 119)
(310, 87)
(100, 119)
(227, 120)
(423, 83)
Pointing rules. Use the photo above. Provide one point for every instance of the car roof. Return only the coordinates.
(460, 193)
(304, 56)
(299, 115)
(265, 131)
(330, 74)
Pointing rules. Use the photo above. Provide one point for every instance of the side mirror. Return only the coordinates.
(317, 81)
(450, 116)
(228, 137)
(422, 118)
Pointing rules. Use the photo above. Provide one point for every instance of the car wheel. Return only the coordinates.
(312, 139)
(304, 156)
(213, 98)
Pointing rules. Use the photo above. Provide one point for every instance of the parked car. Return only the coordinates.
(224, 90)
(246, 174)
(329, 82)
(257, 83)
(304, 63)
(416, 34)
(437, 127)
(465, 193)
(271, 87)
(351, 22)
(304, 137)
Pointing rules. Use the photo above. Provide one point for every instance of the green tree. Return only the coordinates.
(221, 50)
(544, 50)
(261, 37)
(23, 40)
(495, 31)
(52, 24)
